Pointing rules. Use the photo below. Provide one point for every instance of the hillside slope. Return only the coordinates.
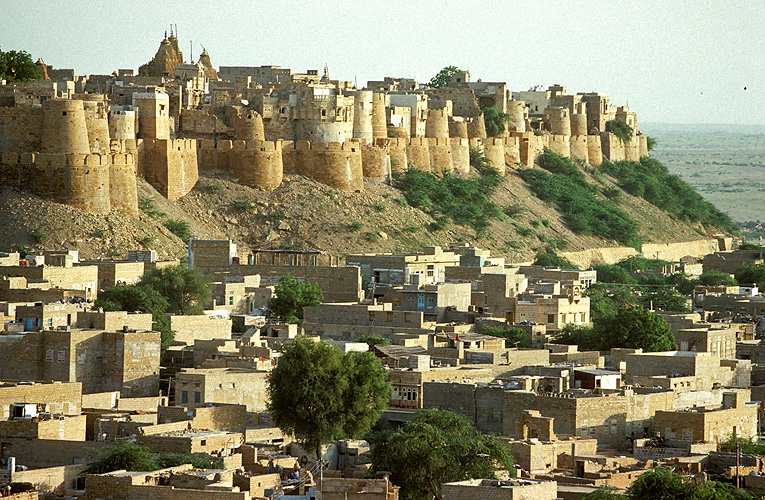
(303, 214)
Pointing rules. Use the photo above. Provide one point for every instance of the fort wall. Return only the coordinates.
(594, 150)
(335, 164)
(458, 129)
(97, 122)
(476, 128)
(169, 165)
(88, 182)
(440, 154)
(494, 150)
(63, 128)
(375, 160)
(460, 154)
(579, 150)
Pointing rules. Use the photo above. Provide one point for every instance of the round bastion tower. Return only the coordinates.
(362, 115)
(379, 120)
(248, 126)
(517, 112)
(437, 125)
(63, 129)
(557, 119)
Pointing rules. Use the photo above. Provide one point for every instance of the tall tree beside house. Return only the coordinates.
(186, 289)
(17, 66)
(443, 77)
(175, 290)
(434, 448)
(318, 394)
(291, 295)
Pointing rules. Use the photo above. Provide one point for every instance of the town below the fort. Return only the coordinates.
(451, 372)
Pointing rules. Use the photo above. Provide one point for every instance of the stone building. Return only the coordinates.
(196, 387)
(102, 361)
(735, 417)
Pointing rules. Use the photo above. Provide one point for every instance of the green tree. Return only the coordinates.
(636, 328)
(186, 289)
(291, 295)
(620, 129)
(514, 337)
(434, 448)
(17, 66)
(443, 77)
(373, 340)
(663, 484)
(549, 259)
(607, 299)
(604, 493)
(495, 120)
(133, 457)
(651, 141)
(197, 460)
(748, 275)
(122, 456)
(139, 298)
(318, 394)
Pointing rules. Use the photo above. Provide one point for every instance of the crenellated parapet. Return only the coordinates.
(335, 164)
(93, 183)
(254, 163)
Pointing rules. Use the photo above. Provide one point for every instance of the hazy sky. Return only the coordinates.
(671, 61)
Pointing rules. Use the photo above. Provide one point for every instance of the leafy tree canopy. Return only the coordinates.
(620, 129)
(443, 77)
(514, 337)
(291, 295)
(549, 259)
(437, 447)
(373, 340)
(561, 183)
(748, 275)
(133, 457)
(319, 394)
(664, 484)
(176, 290)
(650, 180)
(17, 66)
(717, 278)
(632, 328)
(495, 120)
(651, 142)
(186, 289)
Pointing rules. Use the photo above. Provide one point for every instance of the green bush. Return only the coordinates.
(566, 188)
(214, 188)
(276, 217)
(523, 231)
(371, 237)
(650, 180)
(548, 259)
(514, 210)
(146, 205)
(354, 226)
(243, 206)
(535, 223)
(465, 201)
(495, 120)
(620, 129)
(180, 228)
(39, 235)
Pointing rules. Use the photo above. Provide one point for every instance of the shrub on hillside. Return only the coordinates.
(566, 188)
(650, 180)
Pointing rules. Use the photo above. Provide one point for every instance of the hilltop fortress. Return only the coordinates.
(83, 140)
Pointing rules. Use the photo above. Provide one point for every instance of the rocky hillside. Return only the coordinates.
(303, 214)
